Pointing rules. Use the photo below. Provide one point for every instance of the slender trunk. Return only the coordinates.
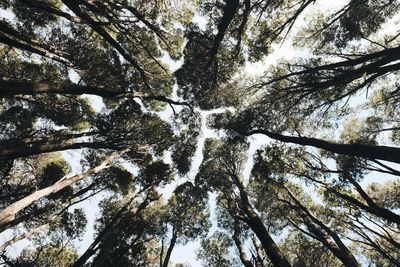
(332, 241)
(391, 53)
(18, 151)
(74, 6)
(53, 10)
(59, 136)
(362, 193)
(16, 87)
(334, 244)
(23, 236)
(162, 252)
(387, 153)
(270, 248)
(273, 252)
(40, 212)
(102, 236)
(8, 214)
(258, 249)
(170, 248)
(26, 47)
(377, 211)
(230, 10)
(10, 31)
(242, 252)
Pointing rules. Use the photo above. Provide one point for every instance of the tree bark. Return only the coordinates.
(16, 87)
(102, 236)
(19, 151)
(40, 212)
(230, 9)
(331, 240)
(273, 252)
(387, 153)
(23, 236)
(8, 214)
(59, 136)
(26, 47)
(258, 249)
(170, 248)
(242, 252)
(378, 211)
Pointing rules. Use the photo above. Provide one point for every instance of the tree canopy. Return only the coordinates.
(253, 132)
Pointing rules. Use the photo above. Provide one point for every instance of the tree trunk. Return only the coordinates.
(102, 236)
(23, 150)
(59, 136)
(242, 252)
(170, 248)
(387, 153)
(258, 249)
(332, 241)
(378, 211)
(16, 87)
(230, 10)
(74, 6)
(40, 212)
(273, 252)
(8, 214)
(23, 236)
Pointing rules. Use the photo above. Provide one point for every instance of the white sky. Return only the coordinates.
(187, 253)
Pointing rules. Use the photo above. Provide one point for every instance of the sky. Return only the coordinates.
(187, 253)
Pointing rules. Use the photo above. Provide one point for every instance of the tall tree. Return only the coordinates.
(104, 104)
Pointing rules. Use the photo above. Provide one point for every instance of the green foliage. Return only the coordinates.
(306, 252)
(336, 91)
(216, 154)
(48, 256)
(187, 212)
(211, 92)
(185, 143)
(215, 252)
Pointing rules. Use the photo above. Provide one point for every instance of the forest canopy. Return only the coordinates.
(250, 132)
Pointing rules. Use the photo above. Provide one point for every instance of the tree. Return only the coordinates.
(221, 170)
(104, 103)
(215, 250)
(187, 215)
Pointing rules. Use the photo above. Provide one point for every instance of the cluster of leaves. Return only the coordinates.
(84, 93)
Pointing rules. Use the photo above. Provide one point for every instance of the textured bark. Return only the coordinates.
(16, 87)
(15, 239)
(387, 153)
(330, 239)
(242, 251)
(38, 148)
(8, 214)
(102, 236)
(273, 252)
(170, 248)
